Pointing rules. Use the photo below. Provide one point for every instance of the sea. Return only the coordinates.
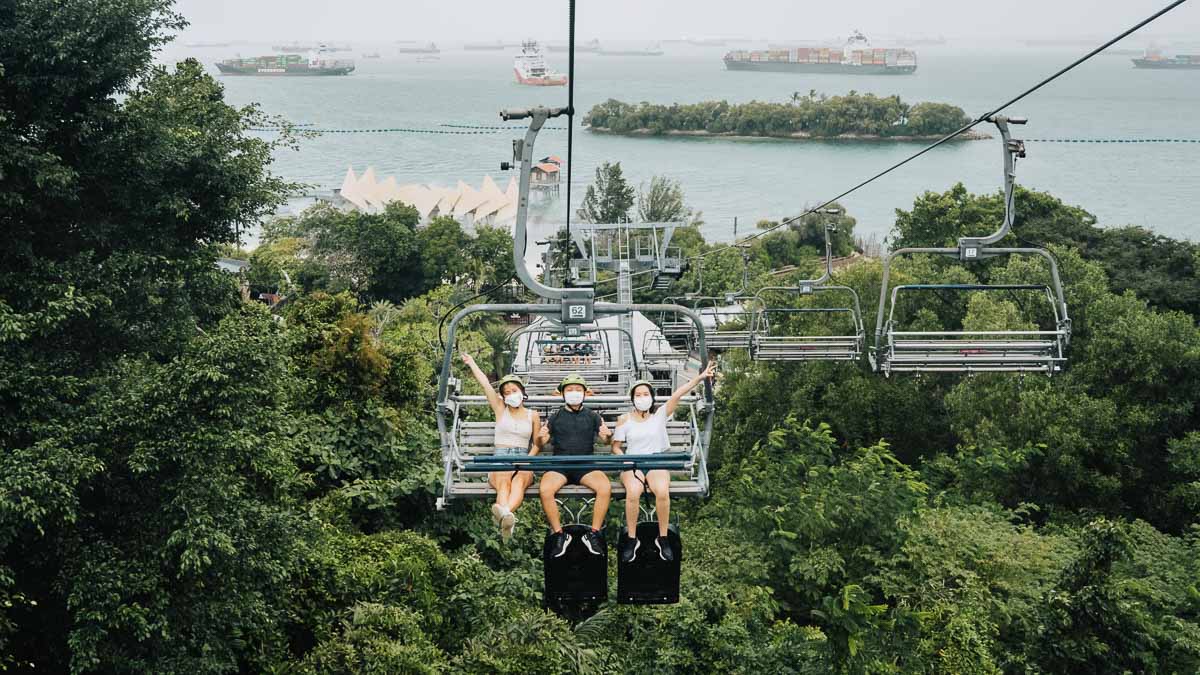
(736, 183)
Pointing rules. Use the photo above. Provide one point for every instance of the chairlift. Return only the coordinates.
(467, 446)
(973, 351)
(770, 344)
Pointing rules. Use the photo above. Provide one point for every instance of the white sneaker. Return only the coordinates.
(498, 514)
(507, 524)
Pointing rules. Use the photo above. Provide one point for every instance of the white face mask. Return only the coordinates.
(514, 400)
(573, 397)
(643, 403)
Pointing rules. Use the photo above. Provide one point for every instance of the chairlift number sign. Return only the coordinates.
(576, 311)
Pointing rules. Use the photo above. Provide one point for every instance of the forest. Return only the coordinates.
(811, 115)
(193, 483)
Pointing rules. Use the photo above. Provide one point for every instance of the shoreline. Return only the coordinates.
(971, 135)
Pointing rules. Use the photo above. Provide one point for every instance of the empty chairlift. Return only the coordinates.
(809, 333)
(1041, 349)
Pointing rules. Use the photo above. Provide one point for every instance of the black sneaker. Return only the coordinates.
(629, 549)
(558, 547)
(594, 541)
(664, 549)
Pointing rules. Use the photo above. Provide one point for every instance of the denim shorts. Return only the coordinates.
(511, 452)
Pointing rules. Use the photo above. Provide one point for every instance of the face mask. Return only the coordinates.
(514, 400)
(643, 403)
(573, 397)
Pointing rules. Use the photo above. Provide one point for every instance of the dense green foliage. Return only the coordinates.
(811, 116)
(383, 256)
(192, 484)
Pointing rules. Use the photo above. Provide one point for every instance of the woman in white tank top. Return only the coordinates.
(516, 430)
(643, 431)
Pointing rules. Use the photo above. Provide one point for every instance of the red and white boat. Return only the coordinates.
(530, 67)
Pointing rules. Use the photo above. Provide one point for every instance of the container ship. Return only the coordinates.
(855, 58)
(530, 67)
(1154, 59)
(288, 65)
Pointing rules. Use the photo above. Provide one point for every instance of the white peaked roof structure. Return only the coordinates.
(351, 192)
(487, 205)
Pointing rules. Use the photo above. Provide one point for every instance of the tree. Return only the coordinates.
(662, 202)
(180, 478)
(442, 245)
(609, 198)
(376, 256)
(118, 183)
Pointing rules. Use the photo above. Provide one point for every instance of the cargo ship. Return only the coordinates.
(316, 63)
(530, 67)
(855, 58)
(1155, 59)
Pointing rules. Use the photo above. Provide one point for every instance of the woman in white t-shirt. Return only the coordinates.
(643, 431)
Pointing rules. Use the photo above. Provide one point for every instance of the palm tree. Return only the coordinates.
(496, 336)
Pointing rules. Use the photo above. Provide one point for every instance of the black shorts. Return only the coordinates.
(574, 477)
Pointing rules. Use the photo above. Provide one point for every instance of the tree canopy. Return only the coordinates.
(811, 116)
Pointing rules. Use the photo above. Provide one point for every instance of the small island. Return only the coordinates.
(814, 116)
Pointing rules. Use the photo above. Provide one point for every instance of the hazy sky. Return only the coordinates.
(445, 20)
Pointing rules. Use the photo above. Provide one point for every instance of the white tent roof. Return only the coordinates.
(352, 192)
(424, 200)
(470, 200)
(368, 194)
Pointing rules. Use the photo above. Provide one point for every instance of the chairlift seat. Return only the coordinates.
(722, 340)
(808, 348)
(974, 351)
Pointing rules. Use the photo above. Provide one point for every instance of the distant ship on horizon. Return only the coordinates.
(654, 50)
(295, 47)
(590, 46)
(856, 57)
(427, 48)
(293, 65)
(1154, 59)
(496, 46)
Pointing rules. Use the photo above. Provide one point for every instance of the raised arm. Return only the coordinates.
(480, 377)
(673, 402)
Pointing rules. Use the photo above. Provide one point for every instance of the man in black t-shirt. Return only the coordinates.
(573, 429)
